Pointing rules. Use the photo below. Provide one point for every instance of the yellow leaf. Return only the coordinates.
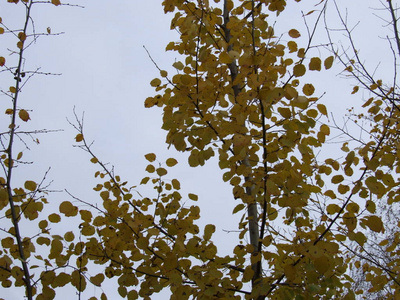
(374, 223)
(79, 137)
(370, 206)
(337, 179)
(30, 185)
(315, 64)
(56, 2)
(43, 224)
(150, 157)
(209, 229)
(94, 160)
(48, 30)
(155, 82)
(163, 73)
(285, 112)
(171, 162)
(234, 54)
(332, 209)
(301, 53)
(343, 189)
(308, 89)
(22, 36)
(355, 89)
(69, 236)
(2, 61)
(299, 70)
(178, 65)
(312, 113)
(161, 171)
(54, 218)
(238, 208)
(68, 209)
(150, 169)
(328, 62)
(375, 186)
(331, 194)
(176, 184)
(350, 221)
(292, 46)
(24, 115)
(248, 274)
(294, 33)
(9, 111)
(322, 109)
(13, 89)
(97, 280)
(325, 129)
(193, 197)
(322, 264)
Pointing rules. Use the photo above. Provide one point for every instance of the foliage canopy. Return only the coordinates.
(240, 93)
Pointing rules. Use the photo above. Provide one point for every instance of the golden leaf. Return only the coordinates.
(178, 65)
(69, 236)
(355, 89)
(97, 280)
(171, 162)
(163, 73)
(54, 218)
(161, 172)
(24, 115)
(322, 109)
(176, 184)
(299, 70)
(155, 82)
(30, 185)
(68, 209)
(150, 157)
(328, 62)
(79, 137)
(374, 223)
(315, 64)
(292, 46)
(337, 179)
(238, 208)
(209, 229)
(294, 33)
(308, 89)
(193, 197)
(2, 61)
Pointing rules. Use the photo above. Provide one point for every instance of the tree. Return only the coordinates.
(240, 93)
(373, 260)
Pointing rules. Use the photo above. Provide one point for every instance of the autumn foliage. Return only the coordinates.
(240, 93)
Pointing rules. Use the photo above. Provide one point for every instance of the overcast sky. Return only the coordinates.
(106, 74)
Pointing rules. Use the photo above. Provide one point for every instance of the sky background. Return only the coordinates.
(106, 74)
